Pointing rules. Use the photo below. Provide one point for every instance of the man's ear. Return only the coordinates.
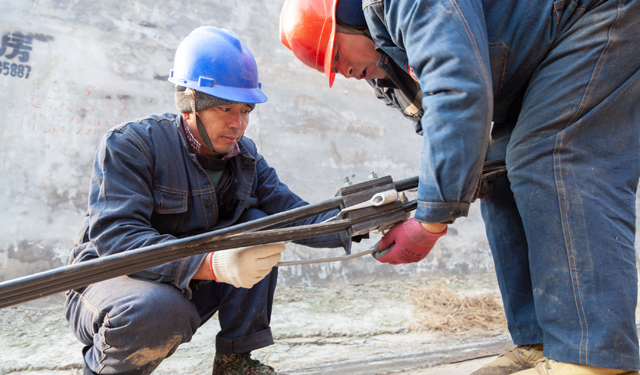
(186, 115)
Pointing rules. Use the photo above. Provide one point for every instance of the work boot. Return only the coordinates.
(547, 366)
(520, 358)
(239, 364)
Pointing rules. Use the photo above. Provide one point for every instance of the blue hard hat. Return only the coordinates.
(214, 61)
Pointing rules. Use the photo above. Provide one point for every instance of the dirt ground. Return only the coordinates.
(371, 328)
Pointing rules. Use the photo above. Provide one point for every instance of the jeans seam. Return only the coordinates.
(103, 353)
(584, 325)
(89, 305)
(557, 8)
(568, 240)
(202, 206)
(505, 51)
(98, 313)
(476, 49)
(596, 73)
(179, 275)
(137, 142)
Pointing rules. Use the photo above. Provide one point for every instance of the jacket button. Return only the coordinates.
(207, 201)
(457, 212)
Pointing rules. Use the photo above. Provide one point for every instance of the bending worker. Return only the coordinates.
(552, 88)
(175, 175)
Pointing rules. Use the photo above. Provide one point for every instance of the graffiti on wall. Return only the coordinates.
(75, 108)
(59, 105)
(14, 55)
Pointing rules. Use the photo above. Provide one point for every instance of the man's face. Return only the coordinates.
(225, 125)
(355, 56)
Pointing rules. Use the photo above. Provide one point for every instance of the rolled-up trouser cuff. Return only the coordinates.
(85, 368)
(245, 344)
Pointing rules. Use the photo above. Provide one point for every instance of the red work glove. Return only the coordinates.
(407, 242)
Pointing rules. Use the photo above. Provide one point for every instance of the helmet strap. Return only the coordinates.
(203, 133)
(201, 129)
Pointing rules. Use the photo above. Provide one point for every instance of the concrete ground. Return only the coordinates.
(459, 368)
(369, 328)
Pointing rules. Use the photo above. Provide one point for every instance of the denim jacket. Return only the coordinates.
(147, 188)
(472, 60)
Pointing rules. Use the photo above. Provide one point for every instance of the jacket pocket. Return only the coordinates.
(169, 209)
(166, 202)
(498, 52)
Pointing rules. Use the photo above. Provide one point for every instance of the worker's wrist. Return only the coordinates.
(210, 258)
(434, 228)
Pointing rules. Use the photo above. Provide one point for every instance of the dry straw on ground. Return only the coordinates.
(442, 310)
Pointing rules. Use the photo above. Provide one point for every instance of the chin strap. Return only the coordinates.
(201, 129)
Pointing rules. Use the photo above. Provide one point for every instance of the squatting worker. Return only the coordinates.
(168, 176)
(550, 86)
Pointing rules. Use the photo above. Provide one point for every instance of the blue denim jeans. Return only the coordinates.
(130, 325)
(562, 224)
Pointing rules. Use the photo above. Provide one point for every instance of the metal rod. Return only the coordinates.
(82, 274)
(75, 276)
(324, 260)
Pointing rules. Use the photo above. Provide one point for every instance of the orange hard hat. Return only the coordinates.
(308, 29)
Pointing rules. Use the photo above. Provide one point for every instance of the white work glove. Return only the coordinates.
(246, 266)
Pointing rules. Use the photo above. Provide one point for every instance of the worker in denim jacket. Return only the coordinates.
(174, 175)
(552, 88)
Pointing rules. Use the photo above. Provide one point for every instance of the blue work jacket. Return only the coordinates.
(472, 60)
(148, 188)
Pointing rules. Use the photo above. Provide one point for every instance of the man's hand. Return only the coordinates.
(408, 242)
(246, 266)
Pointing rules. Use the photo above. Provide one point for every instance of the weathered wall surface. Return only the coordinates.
(72, 69)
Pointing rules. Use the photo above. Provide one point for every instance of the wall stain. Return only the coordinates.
(147, 24)
(28, 251)
(43, 38)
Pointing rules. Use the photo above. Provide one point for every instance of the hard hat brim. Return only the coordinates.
(308, 29)
(235, 94)
(328, 58)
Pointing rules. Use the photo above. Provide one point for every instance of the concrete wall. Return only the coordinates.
(84, 66)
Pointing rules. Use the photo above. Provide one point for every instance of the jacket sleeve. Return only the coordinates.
(274, 196)
(121, 204)
(445, 45)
